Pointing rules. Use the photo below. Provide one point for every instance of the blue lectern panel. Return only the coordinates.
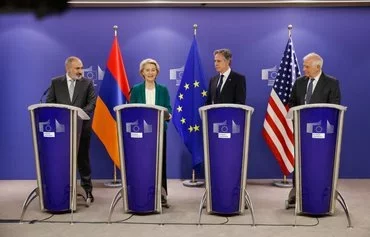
(53, 137)
(226, 140)
(139, 129)
(318, 140)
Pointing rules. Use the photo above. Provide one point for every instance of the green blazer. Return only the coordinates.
(162, 97)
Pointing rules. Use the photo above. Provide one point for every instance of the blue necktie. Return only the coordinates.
(220, 82)
(309, 90)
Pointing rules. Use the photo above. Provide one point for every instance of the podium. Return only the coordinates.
(140, 130)
(56, 130)
(317, 141)
(226, 129)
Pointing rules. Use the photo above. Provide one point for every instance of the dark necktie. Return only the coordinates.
(309, 90)
(220, 82)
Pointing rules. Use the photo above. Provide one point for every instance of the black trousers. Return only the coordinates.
(164, 163)
(83, 157)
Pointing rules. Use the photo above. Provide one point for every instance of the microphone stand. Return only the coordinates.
(45, 92)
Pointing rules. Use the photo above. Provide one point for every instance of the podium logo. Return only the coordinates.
(270, 75)
(318, 130)
(224, 131)
(136, 131)
(176, 74)
(48, 130)
(94, 74)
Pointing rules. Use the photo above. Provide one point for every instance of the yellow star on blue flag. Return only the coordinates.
(191, 95)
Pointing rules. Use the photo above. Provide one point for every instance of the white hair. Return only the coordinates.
(316, 59)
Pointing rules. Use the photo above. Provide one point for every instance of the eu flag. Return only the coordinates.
(190, 96)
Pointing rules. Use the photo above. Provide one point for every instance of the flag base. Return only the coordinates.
(283, 183)
(113, 184)
(193, 183)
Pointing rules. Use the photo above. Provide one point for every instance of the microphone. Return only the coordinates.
(45, 92)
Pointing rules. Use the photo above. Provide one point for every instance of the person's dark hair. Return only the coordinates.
(225, 52)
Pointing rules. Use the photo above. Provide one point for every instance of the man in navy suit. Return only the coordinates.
(227, 86)
(73, 89)
(323, 89)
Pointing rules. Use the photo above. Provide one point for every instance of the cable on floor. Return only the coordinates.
(34, 221)
(125, 221)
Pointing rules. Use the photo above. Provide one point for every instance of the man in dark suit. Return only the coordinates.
(325, 88)
(313, 87)
(73, 89)
(227, 86)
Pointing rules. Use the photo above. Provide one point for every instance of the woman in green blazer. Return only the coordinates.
(152, 93)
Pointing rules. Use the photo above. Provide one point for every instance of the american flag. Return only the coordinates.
(277, 130)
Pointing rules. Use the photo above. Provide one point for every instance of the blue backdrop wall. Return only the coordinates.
(33, 51)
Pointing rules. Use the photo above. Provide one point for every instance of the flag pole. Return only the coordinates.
(285, 183)
(193, 182)
(115, 183)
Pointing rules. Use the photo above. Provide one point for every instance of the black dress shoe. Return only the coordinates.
(164, 202)
(291, 197)
(90, 196)
(291, 200)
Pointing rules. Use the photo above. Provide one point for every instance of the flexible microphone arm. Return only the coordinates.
(45, 92)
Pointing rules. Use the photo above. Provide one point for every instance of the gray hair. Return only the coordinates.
(225, 52)
(316, 59)
(70, 59)
(148, 61)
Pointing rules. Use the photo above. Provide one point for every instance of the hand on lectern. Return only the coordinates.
(168, 117)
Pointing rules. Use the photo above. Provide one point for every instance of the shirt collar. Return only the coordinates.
(226, 74)
(318, 76)
(69, 79)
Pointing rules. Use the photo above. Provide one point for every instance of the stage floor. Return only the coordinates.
(181, 219)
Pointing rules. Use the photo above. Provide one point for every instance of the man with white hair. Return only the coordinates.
(314, 87)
